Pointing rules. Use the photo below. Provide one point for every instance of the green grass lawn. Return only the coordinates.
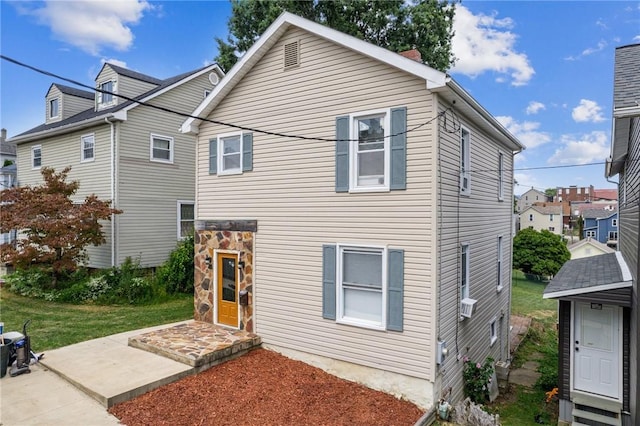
(59, 324)
(527, 301)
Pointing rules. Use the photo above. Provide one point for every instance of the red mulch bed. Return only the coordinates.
(265, 388)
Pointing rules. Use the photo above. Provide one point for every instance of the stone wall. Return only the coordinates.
(206, 242)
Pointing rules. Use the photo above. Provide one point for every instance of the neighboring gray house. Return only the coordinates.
(365, 242)
(599, 325)
(122, 151)
(528, 198)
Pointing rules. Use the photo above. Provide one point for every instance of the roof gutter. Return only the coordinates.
(118, 116)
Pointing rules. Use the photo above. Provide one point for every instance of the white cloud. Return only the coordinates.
(485, 43)
(600, 23)
(587, 111)
(637, 38)
(588, 51)
(92, 25)
(582, 149)
(527, 131)
(117, 62)
(534, 107)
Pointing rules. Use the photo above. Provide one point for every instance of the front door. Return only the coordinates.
(227, 289)
(597, 349)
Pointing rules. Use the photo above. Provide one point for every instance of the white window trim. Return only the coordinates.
(82, 157)
(171, 148)
(206, 93)
(467, 293)
(220, 157)
(340, 318)
(493, 331)
(500, 256)
(51, 117)
(465, 156)
(353, 157)
(33, 148)
(612, 233)
(614, 222)
(179, 203)
(590, 233)
(501, 176)
(114, 98)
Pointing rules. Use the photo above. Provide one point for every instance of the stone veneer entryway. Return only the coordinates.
(231, 236)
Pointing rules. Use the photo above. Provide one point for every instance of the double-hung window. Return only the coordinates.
(230, 154)
(105, 96)
(614, 222)
(36, 156)
(370, 149)
(161, 148)
(464, 272)
(54, 108)
(499, 263)
(87, 148)
(493, 332)
(591, 234)
(465, 162)
(186, 215)
(613, 235)
(500, 176)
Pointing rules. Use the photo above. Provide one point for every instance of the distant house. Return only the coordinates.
(599, 321)
(125, 152)
(574, 193)
(588, 247)
(8, 174)
(547, 217)
(605, 195)
(529, 198)
(332, 229)
(601, 225)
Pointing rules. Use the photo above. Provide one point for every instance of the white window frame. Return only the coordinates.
(353, 150)
(614, 222)
(57, 103)
(171, 148)
(614, 233)
(500, 176)
(590, 233)
(499, 266)
(493, 331)
(179, 219)
(206, 92)
(33, 156)
(551, 218)
(463, 283)
(83, 139)
(465, 161)
(530, 217)
(220, 157)
(340, 317)
(112, 101)
(552, 229)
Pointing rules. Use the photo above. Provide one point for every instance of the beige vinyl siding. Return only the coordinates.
(72, 105)
(481, 219)
(149, 190)
(131, 87)
(94, 177)
(291, 193)
(542, 221)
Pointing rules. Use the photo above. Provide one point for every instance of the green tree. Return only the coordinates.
(540, 253)
(397, 25)
(550, 192)
(56, 230)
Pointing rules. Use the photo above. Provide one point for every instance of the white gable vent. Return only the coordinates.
(467, 307)
(213, 78)
(291, 54)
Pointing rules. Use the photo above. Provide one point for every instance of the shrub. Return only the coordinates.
(477, 378)
(176, 274)
(30, 282)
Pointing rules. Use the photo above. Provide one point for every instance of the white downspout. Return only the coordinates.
(113, 189)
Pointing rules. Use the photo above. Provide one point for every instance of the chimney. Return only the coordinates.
(4, 135)
(413, 54)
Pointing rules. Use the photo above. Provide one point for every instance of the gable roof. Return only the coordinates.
(545, 209)
(90, 116)
(129, 73)
(597, 213)
(589, 274)
(434, 80)
(72, 91)
(590, 242)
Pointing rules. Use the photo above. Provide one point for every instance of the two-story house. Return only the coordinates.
(601, 225)
(124, 150)
(539, 217)
(338, 209)
(529, 198)
(599, 325)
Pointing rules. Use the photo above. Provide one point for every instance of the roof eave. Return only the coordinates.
(578, 291)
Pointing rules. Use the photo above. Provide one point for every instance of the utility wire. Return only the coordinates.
(222, 123)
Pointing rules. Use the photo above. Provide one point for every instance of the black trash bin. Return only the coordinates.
(5, 353)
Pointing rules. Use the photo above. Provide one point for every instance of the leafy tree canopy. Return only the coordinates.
(540, 253)
(55, 230)
(397, 25)
(550, 192)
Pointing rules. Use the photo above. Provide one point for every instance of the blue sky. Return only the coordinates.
(544, 69)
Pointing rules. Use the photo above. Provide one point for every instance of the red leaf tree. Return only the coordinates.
(53, 230)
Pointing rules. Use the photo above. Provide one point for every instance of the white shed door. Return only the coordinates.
(597, 349)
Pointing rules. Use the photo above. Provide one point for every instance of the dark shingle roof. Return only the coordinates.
(596, 213)
(582, 275)
(74, 92)
(626, 84)
(91, 112)
(134, 74)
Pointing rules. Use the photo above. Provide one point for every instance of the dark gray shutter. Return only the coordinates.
(342, 154)
(395, 289)
(213, 156)
(398, 178)
(329, 281)
(247, 152)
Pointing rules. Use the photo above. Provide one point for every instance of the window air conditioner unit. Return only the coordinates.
(467, 306)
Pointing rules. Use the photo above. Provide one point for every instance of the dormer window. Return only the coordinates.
(54, 108)
(106, 99)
